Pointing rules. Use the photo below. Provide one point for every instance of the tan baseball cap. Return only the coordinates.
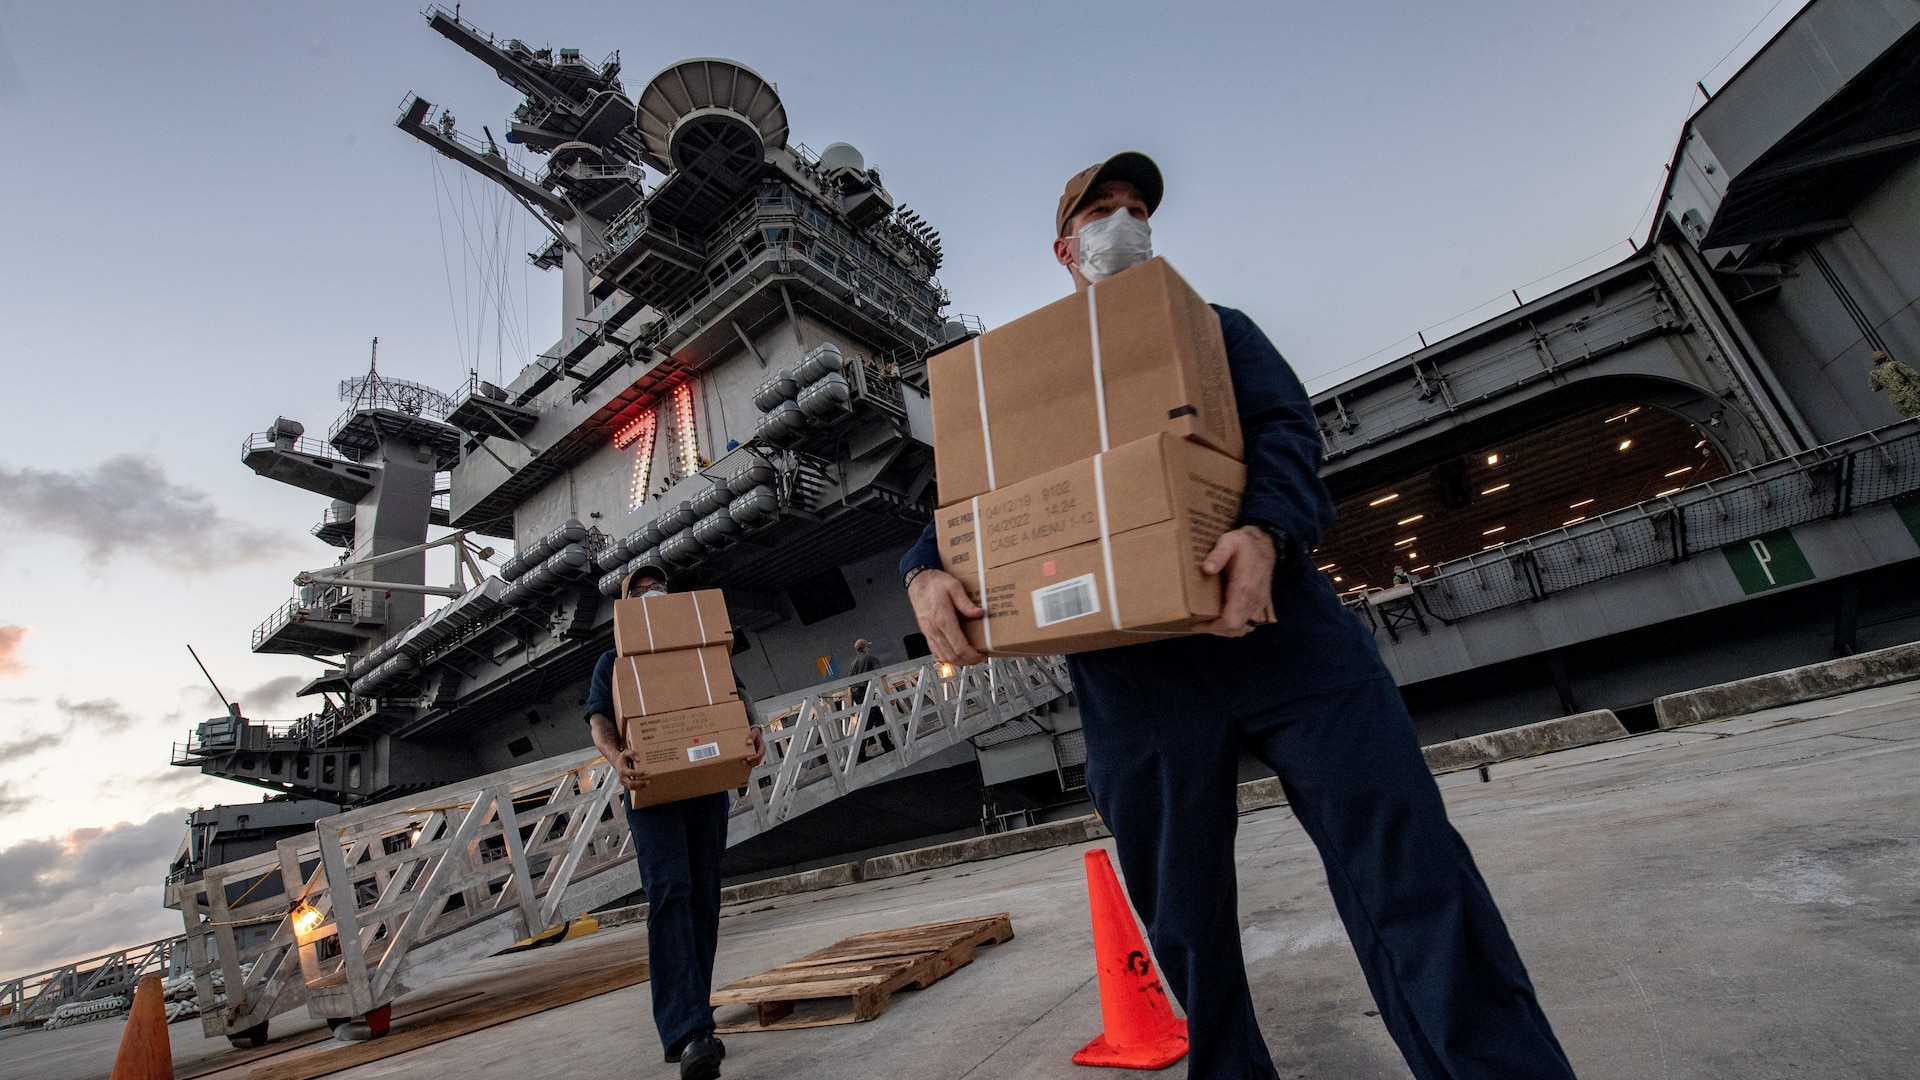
(1135, 168)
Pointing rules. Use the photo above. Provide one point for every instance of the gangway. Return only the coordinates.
(30, 1000)
(386, 898)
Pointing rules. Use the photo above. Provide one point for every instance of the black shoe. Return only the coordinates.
(673, 1055)
(700, 1060)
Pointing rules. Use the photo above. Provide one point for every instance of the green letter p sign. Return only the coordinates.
(1767, 562)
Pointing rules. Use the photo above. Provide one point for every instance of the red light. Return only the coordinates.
(642, 424)
(684, 435)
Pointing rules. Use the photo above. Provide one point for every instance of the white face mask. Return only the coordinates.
(654, 590)
(1112, 244)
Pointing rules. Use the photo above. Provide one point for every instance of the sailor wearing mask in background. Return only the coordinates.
(679, 846)
(1308, 695)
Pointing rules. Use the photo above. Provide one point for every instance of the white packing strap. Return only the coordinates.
(986, 433)
(1099, 379)
(980, 563)
(700, 621)
(704, 681)
(1106, 534)
(648, 616)
(633, 665)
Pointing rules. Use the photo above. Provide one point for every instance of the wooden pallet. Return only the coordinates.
(853, 980)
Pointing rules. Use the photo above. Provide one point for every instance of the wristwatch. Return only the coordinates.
(1282, 543)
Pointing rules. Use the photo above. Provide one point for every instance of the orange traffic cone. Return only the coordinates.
(1141, 1030)
(145, 1052)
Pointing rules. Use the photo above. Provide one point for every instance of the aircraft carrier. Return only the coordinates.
(1670, 473)
(1690, 467)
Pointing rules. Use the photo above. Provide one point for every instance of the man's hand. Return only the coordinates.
(606, 739)
(939, 602)
(753, 760)
(627, 764)
(1246, 556)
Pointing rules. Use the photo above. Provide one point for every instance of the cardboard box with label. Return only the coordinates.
(1134, 356)
(665, 682)
(1099, 553)
(691, 752)
(689, 620)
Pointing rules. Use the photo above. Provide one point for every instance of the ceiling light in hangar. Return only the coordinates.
(1531, 481)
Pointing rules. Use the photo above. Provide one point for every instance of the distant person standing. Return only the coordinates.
(1899, 382)
(863, 662)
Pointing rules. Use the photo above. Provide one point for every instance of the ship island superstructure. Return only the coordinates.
(739, 394)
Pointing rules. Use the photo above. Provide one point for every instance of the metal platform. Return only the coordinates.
(308, 464)
(329, 624)
(483, 416)
(358, 434)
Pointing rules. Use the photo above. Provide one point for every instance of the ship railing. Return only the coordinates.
(321, 728)
(361, 607)
(251, 737)
(812, 234)
(632, 223)
(267, 440)
(1830, 481)
(377, 391)
(479, 147)
(31, 1000)
(282, 616)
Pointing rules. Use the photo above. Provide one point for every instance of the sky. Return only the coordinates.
(209, 216)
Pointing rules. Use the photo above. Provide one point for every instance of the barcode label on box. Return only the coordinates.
(1068, 600)
(703, 751)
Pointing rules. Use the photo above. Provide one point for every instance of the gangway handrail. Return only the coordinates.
(32, 998)
(831, 739)
(387, 897)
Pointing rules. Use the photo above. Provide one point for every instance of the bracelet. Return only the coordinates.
(907, 582)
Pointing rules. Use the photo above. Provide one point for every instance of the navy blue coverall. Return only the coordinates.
(679, 846)
(1307, 695)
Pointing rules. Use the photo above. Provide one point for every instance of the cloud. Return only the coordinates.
(29, 745)
(87, 892)
(97, 716)
(126, 505)
(270, 695)
(10, 638)
(103, 716)
(11, 803)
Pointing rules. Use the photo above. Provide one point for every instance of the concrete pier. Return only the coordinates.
(1736, 898)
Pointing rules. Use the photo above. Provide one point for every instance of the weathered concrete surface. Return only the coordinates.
(1563, 733)
(1259, 794)
(1790, 687)
(1733, 899)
